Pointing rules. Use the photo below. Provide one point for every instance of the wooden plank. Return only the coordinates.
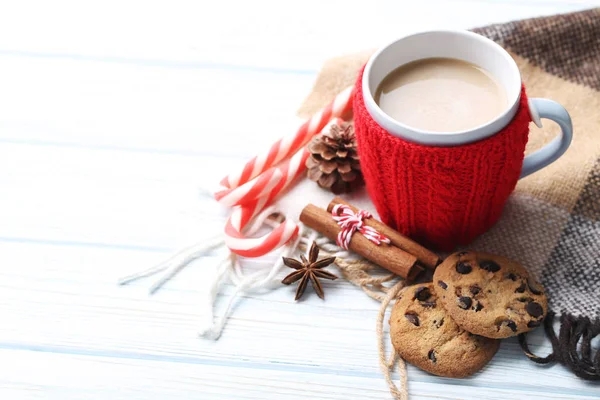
(191, 112)
(261, 33)
(50, 308)
(77, 376)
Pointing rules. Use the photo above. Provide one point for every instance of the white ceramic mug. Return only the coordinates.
(484, 53)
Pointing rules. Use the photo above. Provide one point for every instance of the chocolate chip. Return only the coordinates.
(524, 299)
(512, 277)
(534, 286)
(478, 307)
(533, 324)
(508, 322)
(534, 309)
(422, 293)
(464, 302)
(462, 253)
(431, 356)
(489, 265)
(474, 289)
(521, 288)
(412, 318)
(443, 285)
(463, 268)
(439, 323)
(429, 304)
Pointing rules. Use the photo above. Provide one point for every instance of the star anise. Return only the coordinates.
(306, 270)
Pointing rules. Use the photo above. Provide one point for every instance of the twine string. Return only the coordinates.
(387, 367)
(357, 271)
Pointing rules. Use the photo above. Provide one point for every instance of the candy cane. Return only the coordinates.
(243, 215)
(285, 147)
(254, 189)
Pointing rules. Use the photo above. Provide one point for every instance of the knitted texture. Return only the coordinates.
(440, 196)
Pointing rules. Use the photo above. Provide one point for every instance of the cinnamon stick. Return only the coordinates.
(387, 256)
(424, 256)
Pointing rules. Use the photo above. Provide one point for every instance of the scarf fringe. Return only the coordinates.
(572, 347)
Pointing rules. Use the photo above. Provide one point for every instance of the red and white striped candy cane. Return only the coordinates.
(255, 188)
(251, 190)
(243, 215)
(285, 147)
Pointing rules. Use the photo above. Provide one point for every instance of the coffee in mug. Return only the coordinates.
(441, 95)
(443, 185)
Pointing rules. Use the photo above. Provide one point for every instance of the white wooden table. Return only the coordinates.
(113, 116)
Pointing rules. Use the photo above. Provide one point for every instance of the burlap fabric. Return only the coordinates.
(551, 223)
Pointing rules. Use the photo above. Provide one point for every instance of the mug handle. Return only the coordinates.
(544, 108)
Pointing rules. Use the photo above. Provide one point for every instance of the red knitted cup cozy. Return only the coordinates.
(440, 196)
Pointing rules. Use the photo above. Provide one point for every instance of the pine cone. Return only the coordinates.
(333, 162)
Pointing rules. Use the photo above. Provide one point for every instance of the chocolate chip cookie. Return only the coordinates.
(489, 295)
(425, 335)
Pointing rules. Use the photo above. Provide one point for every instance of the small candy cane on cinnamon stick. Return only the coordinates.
(425, 256)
